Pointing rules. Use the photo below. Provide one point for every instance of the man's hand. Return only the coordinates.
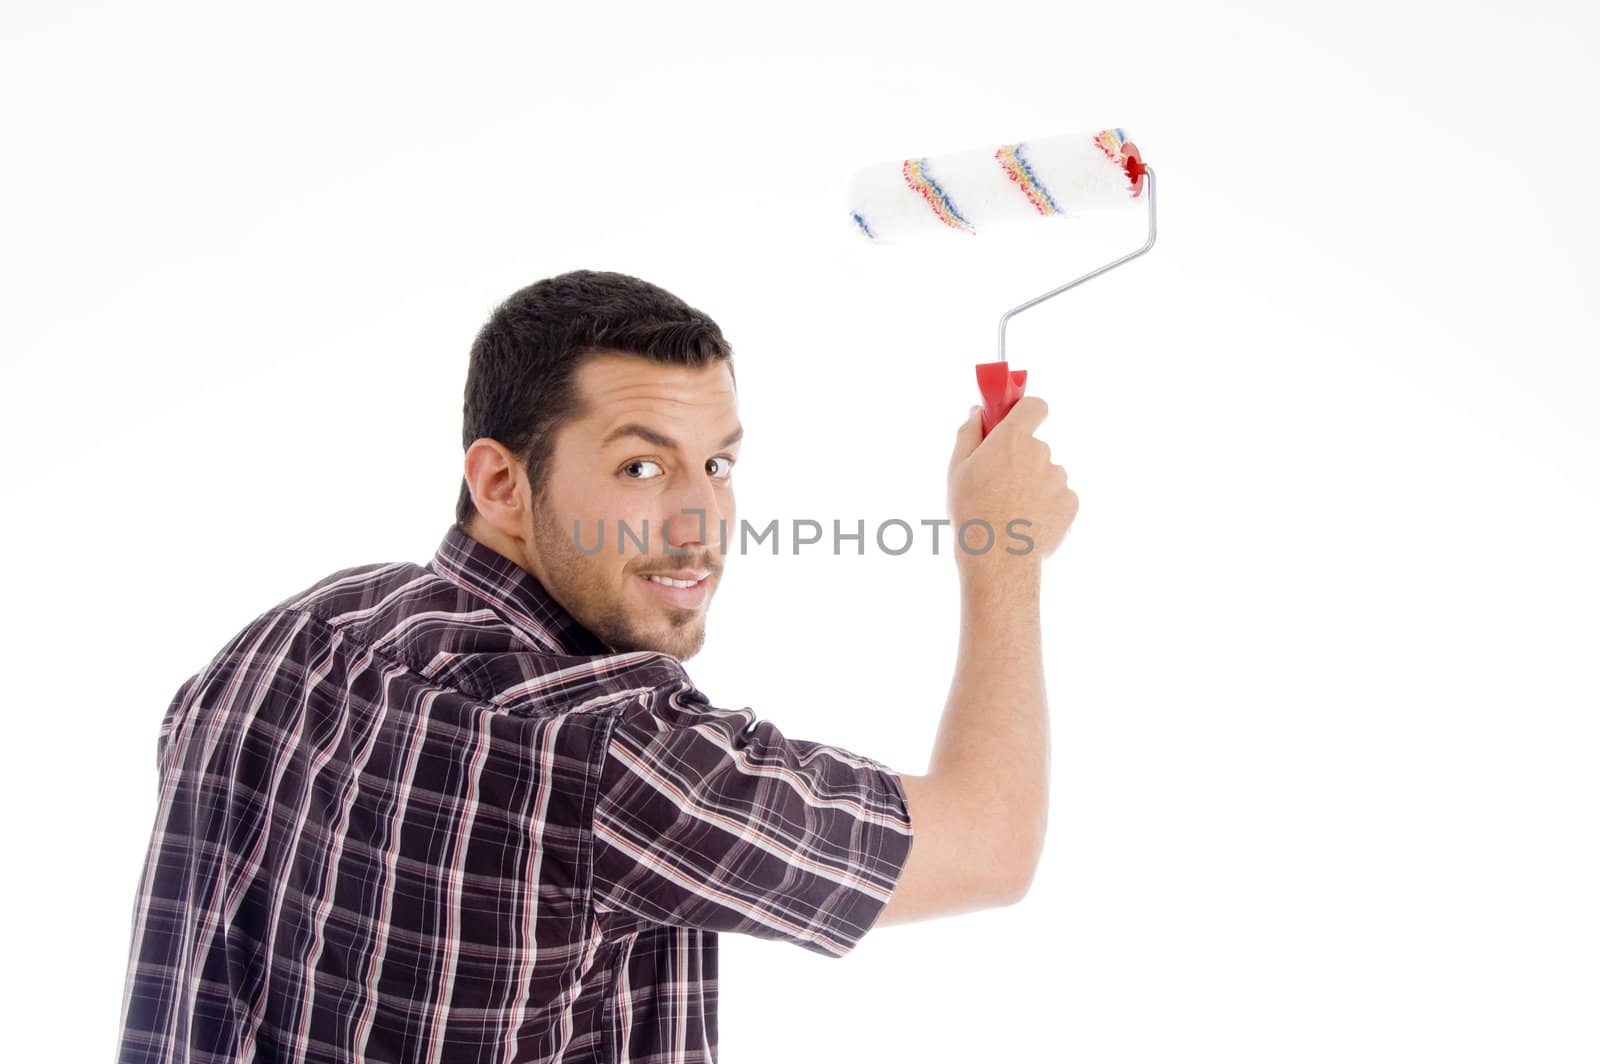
(1005, 476)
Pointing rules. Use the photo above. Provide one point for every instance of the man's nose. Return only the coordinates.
(695, 514)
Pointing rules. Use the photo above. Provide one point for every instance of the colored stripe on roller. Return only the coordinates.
(1110, 141)
(862, 222)
(923, 184)
(1018, 170)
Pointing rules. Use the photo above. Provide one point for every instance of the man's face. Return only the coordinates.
(655, 443)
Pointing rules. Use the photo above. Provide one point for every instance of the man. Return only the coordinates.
(476, 810)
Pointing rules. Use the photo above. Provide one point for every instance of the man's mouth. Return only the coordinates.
(685, 588)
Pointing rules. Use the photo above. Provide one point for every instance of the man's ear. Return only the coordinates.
(499, 486)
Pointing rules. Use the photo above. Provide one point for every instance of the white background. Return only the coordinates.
(1322, 644)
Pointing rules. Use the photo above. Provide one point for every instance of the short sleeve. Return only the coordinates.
(712, 819)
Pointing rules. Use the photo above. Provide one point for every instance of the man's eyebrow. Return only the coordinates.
(655, 439)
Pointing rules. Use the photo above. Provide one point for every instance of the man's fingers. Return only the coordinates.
(1024, 417)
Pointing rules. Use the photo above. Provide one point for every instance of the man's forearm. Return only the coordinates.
(993, 746)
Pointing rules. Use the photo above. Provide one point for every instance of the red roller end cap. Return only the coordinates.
(1000, 387)
(1133, 163)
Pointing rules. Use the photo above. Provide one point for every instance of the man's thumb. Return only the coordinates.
(969, 435)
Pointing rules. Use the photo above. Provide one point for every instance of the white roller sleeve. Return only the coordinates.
(967, 192)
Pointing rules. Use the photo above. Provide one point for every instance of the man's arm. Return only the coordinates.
(978, 817)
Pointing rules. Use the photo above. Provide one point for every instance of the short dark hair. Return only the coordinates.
(522, 378)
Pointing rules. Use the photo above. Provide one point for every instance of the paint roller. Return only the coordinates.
(965, 193)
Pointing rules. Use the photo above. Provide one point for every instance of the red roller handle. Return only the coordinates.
(1000, 387)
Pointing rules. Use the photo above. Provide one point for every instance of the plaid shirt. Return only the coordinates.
(418, 813)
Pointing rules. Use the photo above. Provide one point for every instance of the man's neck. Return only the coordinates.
(497, 541)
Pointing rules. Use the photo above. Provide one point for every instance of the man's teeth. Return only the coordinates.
(671, 582)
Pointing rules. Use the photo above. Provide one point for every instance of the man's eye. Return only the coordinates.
(727, 468)
(637, 464)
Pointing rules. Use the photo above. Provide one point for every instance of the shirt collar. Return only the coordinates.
(514, 593)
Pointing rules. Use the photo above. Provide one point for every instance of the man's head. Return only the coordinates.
(600, 399)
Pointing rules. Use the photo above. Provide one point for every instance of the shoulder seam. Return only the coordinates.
(365, 639)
